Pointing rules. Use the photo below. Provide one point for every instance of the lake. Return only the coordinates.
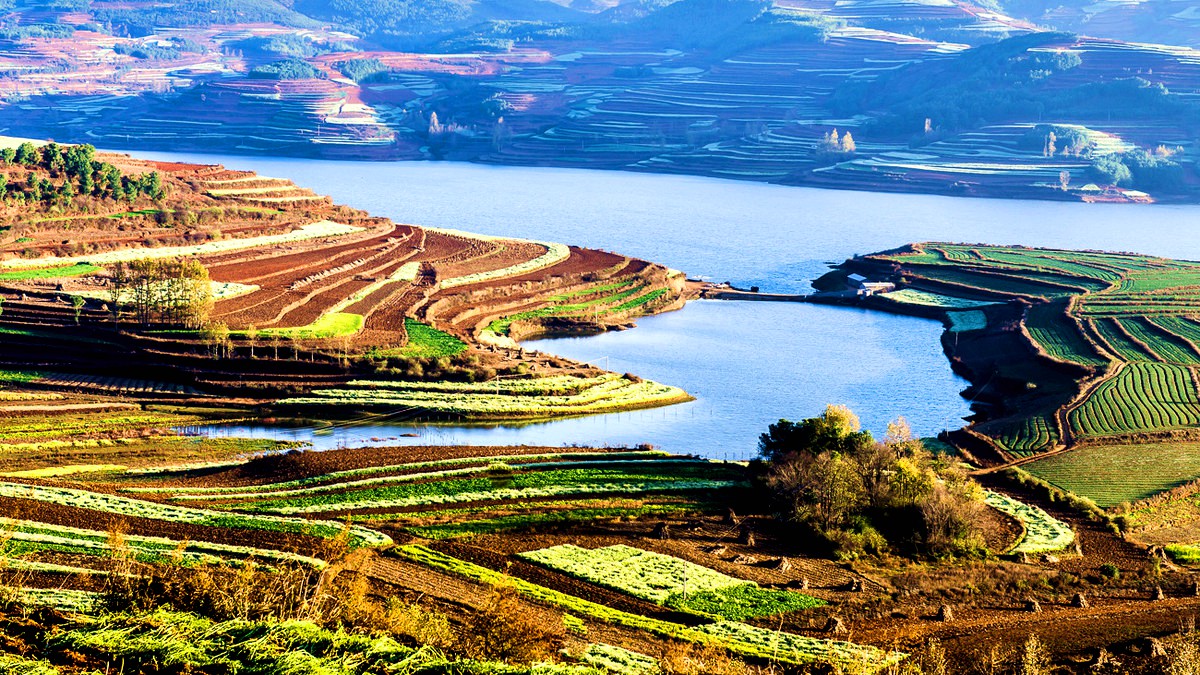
(747, 363)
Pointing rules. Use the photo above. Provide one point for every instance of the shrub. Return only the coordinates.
(1110, 571)
(502, 630)
(682, 658)
(423, 626)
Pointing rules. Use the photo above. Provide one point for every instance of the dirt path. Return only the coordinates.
(1066, 629)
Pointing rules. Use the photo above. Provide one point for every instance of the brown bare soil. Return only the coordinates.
(297, 284)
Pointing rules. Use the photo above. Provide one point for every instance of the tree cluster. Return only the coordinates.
(827, 475)
(1139, 169)
(80, 174)
(363, 70)
(832, 144)
(1055, 139)
(167, 291)
(287, 69)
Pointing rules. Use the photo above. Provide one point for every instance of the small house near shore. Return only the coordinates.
(864, 288)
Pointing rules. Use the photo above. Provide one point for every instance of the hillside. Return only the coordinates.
(942, 97)
(221, 281)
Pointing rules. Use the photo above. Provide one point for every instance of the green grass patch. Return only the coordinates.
(20, 376)
(744, 602)
(1113, 474)
(332, 325)
(427, 342)
(1187, 554)
(78, 269)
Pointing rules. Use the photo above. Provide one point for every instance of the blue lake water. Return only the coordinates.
(748, 364)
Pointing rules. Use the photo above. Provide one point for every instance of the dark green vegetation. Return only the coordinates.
(73, 172)
(835, 481)
(144, 21)
(745, 602)
(363, 70)
(425, 341)
(287, 69)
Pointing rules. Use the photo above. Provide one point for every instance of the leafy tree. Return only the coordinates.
(826, 474)
(1110, 170)
(170, 291)
(837, 429)
(287, 69)
(363, 70)
(77, 303)
(28, 154)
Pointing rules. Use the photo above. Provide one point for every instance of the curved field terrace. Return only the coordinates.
(309, 302)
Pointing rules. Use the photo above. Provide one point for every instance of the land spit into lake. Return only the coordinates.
(226, 283)
(1083, 371)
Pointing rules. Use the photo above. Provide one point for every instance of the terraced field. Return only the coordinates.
(518, 398)
(1121, 329)
(69, 543)
(306, 296)
(1111, 475)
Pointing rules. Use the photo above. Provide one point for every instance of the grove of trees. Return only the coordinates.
(167, 291)
(70, 171)
(829, 477)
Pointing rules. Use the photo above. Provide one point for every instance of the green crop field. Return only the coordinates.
(498, 399)
(1120, 342)
(425, 341)
(1085, 308)
(78, 269)
(986, 282)
(1059, 336)
(615, 478)
(1184, 330)
(664, 579)
(1113, 474)
(1166, 346)
(1032, 434)
(911, 296)
(1141, 397)
(1043, 532)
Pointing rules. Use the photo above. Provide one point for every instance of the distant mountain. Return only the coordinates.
(1160, 21)
(410, 23)
(964, 97)
(139, 20)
